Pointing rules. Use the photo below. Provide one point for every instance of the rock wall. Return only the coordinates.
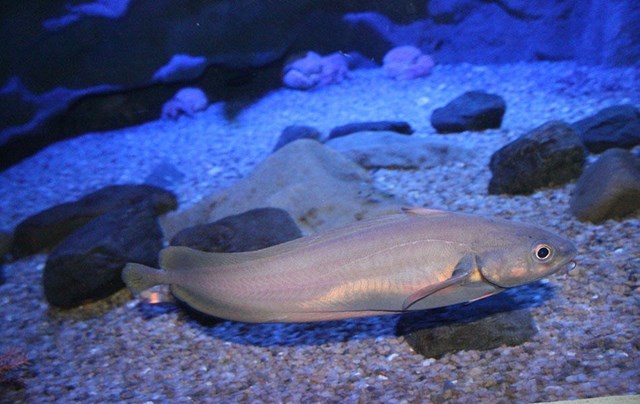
(59, 55)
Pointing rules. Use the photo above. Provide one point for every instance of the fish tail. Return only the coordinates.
(140, 277)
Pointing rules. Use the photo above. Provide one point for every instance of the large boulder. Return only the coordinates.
(608, 188)
(88, 264)
(550, 155)
(47, 228)
(317, 186)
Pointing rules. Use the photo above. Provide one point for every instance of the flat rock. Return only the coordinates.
(252, 230)
(317, 186)
(87, 265)
(473, 110)
(482, 325)
(608, 188)
(550, 155)
(295, 132)
(616, 126)
(49, 227)
(400, 127)
(390, 150)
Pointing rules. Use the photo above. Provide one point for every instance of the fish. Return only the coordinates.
(416, 259)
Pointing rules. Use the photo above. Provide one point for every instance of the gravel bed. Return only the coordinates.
(117, 349)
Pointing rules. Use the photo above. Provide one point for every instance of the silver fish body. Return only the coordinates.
(414, 260)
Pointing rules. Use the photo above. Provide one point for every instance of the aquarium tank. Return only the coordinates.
(279, 201)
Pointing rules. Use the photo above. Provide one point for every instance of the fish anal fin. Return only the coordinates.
(415, 210)
(461, 272)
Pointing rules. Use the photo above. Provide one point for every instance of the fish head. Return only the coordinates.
(526, 256)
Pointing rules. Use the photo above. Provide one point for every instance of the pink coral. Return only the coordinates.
(187, 101)
(315, 71)
(407, 63)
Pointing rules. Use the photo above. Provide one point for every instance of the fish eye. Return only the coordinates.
(543, 252)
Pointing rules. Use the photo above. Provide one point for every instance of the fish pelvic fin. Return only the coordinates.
(461, 272)
(140, 277)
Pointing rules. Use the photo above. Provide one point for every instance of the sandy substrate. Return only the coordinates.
(588, 342)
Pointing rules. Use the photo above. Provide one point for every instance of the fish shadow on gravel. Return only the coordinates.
(366, 328)
(518, 298)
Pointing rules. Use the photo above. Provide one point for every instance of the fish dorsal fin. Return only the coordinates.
(461, 272)
(414, 210)
(176, 258)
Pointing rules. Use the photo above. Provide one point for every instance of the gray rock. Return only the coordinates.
(164, 175)
(248, 231)
(87, 265)
(550, 155)
(617, 126)
(49, 227)
(608, 188)
(295, 132)
(473, 110)
(317, 186)
(390, 150)
(482, 325)
(400, 127)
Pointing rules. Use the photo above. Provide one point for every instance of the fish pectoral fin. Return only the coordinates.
(461, 272)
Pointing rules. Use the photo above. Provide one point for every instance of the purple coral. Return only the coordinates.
(315, 71)
(187, 101)
(407, 63)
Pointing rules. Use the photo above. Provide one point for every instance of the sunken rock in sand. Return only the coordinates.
(400, 127)
(616, 126)
(49, 227)
(249, 231)
(393, 151)
(440, 337)
(317, 186)
(87, 265)
(473, 110)
(549, 155)
(608, 188)
(296, 132)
